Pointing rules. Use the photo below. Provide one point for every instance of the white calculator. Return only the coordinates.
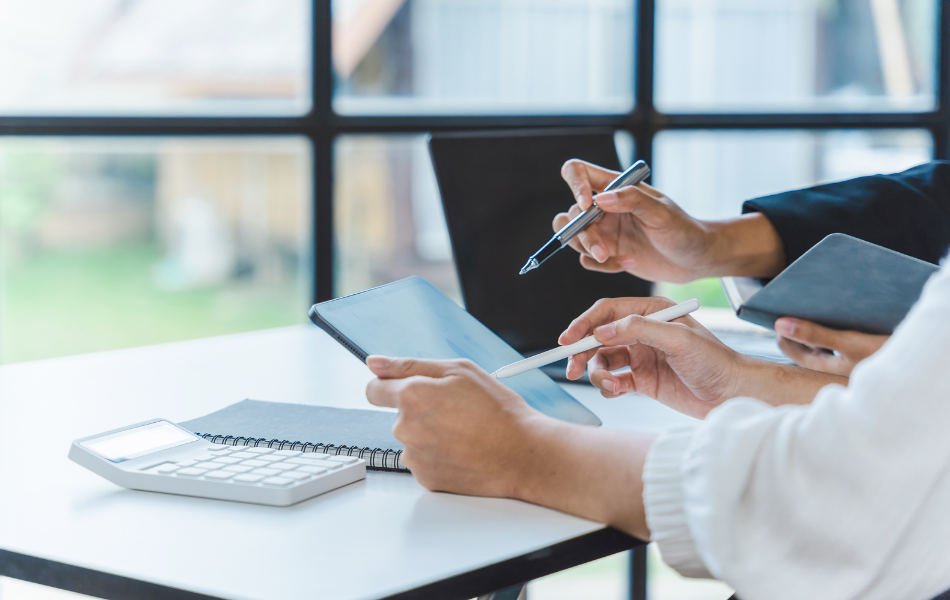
(159, 456)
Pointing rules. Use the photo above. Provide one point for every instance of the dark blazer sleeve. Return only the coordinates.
(908, 212)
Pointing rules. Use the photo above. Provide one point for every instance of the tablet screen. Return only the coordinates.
(412, 318)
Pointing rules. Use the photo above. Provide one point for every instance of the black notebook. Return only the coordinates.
(841, 282)
(366, 434)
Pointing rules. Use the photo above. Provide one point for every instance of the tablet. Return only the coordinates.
(411, 317)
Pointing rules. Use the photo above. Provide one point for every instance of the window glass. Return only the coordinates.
(155, 57)
(388, 216)
(710, 173)
(482, 56)
(109, 243)
(795, 55)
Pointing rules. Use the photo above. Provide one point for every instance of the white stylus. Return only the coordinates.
(539, 360)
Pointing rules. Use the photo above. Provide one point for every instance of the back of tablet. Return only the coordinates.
(410, 317)
(500, 192)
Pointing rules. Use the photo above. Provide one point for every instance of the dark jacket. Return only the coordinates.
(908, 212)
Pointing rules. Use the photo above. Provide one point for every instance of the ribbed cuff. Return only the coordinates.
(664, 502)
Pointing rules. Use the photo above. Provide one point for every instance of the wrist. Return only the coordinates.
(747, 246)
(538, 435)
(778, 384)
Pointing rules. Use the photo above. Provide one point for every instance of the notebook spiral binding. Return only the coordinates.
(376, 459)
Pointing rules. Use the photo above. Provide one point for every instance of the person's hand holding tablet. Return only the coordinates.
(823, 349)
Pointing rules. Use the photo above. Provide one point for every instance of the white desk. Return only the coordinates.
(62, 525)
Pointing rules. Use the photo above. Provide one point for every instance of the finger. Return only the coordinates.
(632, 199)
(563, 219)
(577, 364)
(583, 178)
(610, 359)
(608, 310)
(810, 358)
(592, 242)
(601, 376)
(611, 265)
(386, 367)
(670, 337)
(809, 333)
(384, 392)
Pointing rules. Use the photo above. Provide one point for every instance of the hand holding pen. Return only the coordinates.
(632, 176)
(641, 231)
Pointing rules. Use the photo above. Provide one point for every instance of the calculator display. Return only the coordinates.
(139, 441)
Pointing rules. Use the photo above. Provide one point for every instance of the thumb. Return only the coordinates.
(386, 367)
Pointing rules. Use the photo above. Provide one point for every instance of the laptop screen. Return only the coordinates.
(500, 192)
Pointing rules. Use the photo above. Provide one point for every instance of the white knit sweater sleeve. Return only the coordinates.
(846, 498)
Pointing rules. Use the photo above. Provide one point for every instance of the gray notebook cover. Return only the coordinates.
(844, 283)
(273, 424)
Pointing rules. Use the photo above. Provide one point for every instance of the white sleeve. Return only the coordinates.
(846, 498)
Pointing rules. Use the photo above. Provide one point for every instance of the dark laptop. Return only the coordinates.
(500, 192)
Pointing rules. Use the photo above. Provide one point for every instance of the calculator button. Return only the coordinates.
(312, 463)
(187, 463)
(248, 478)
(219, 448)
(295, 475)
(255, 463)
(260, 450)
(244, 455)
(269, 458)
(281, 466)
(346, 460)
(320, 463)
(167, 468)
(191, 472)
(207, 465)
(288, 453)
(237, 469)
(278, 481)
(219, 475)
(265, 472)
(312, 470)
(317, 456)
(227, 460)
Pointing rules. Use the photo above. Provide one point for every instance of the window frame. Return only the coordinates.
(321, 125)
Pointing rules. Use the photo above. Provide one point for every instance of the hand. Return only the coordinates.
(646, 234)
(824, 349)
(643, 233)
(460, 426)
(467, 433)
(679, 363)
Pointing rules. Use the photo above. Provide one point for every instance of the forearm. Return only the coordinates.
(747, 246)
(778, 384)
(585, 471)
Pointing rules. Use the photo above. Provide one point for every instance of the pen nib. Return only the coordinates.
(531, 265)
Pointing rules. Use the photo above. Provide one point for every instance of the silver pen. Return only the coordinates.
(632, 176)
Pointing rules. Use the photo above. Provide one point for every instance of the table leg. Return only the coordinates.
(638, 573)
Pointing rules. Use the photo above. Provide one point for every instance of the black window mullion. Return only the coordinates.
(941, 131)
(321, 137)
(644, 118)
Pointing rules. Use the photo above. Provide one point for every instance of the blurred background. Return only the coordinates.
(172, 169)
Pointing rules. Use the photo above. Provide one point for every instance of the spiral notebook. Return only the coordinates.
(366, 434)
